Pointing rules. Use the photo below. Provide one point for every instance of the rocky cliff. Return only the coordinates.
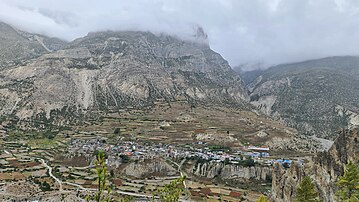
(324, 169)
(112, 70)
(155, 167)
(223, 171)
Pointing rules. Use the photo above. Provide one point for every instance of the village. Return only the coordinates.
(137, 151)
(67, 163)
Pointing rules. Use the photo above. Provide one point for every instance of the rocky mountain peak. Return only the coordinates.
(201, 36)
(113, 70)
(18, 46)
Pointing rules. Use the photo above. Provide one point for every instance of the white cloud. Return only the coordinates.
(243, 31)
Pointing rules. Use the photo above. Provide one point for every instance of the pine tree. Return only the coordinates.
(348, 184)
(306, 191)
(262, 198)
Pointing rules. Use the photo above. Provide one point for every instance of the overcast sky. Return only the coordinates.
(242, 31)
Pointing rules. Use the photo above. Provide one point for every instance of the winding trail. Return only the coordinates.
(86, 189)
(51, 175)
(179, 170)
(81, 187)
(61, 182)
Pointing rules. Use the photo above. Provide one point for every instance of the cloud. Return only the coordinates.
(243, 31)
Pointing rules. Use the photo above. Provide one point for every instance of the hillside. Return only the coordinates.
(317, 97)
(95, 82)
(18, 46)
(113, 70)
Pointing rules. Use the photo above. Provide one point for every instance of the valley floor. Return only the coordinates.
(225, 154)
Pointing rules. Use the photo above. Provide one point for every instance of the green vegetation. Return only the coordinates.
(348, 184)
(44, 186)
(262, 198)
(29, 135)
(39, 139)
(125, 159)
(42, 143)
(269, 178)
(102, 175)
(306, 191)
(171, 192)
(247, 163)
(117, 131)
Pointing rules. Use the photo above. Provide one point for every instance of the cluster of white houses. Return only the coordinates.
(137, 151)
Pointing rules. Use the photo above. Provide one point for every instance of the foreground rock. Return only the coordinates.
(324, 169)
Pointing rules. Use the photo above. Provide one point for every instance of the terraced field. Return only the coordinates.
(178, 123)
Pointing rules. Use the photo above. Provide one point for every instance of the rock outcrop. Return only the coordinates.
(223, 171)
(155, 167)
(324, 169)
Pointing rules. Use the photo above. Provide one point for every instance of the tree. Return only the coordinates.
(354, 199)
(117, 131)
(226, 161)
(124, 158)
(348, 184)
(112, 174)
(306, 191)
(45, 186)
(262, 198)
(248, 162)
(171, 192)
(102, 175)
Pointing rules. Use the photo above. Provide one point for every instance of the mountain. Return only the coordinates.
(114, 70)
(324, 169)
(95, 82)
(18, 46)
(317, 97)
(251, 75)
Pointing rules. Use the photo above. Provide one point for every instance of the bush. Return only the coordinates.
(117, 131)
(125, 159)
(247, 163)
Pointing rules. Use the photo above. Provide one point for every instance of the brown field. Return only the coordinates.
(178, 123)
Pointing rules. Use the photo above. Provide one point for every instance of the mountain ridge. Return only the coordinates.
(317, 97)
(112, 70)
(19, 46)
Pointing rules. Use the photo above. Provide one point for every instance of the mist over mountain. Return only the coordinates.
(18, 46)
(113, 70)
(243, 32)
